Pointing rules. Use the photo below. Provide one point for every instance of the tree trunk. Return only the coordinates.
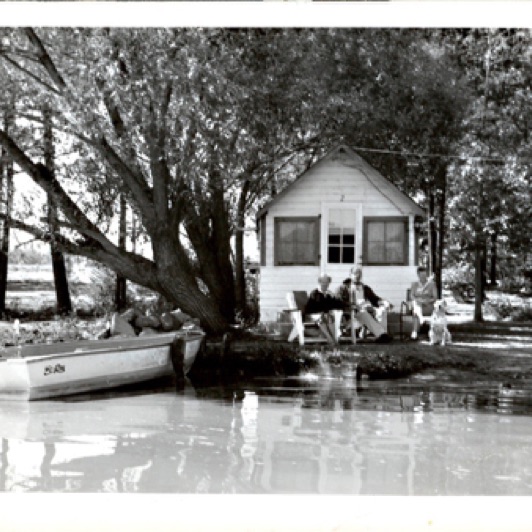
(226, 279)
(480, 247)
(211, 239)
(484, 269)
(441, 229)
(6, 200)
(493, 260)
(240, 275)
(431, 234)
(121, 282)
(64, 304)
(478, 279)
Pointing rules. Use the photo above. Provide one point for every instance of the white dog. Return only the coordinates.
(439, 334)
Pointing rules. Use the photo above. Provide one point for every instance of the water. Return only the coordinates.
(304, 436)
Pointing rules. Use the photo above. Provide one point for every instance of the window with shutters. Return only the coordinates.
(296, 241)
(386, 241)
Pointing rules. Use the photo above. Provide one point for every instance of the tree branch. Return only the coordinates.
(45, 59)
(138, 187)
(30, 74)
(42, 177)
(133, 266)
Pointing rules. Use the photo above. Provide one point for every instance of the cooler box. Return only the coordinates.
(401, 325)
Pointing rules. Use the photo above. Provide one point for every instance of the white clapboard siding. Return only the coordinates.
(340, 180)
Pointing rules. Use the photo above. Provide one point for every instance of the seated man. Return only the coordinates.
(320, 303)
(363, 300)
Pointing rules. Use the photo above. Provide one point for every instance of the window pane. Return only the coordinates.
(394, 231)
(349, 256)
(286, 252)
(286, 230)
(334, 255)
(335, 220)
(334, 239)
(375, 252)
(304, 253)
(394, 252)
(348, 240)
(304, 232)
(376, 232)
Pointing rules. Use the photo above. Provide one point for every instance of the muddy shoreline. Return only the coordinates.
(495, 352)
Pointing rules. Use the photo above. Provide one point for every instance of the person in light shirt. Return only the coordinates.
(424, 294)
(360, 297)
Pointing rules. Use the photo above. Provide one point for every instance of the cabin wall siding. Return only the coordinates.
(335, 183)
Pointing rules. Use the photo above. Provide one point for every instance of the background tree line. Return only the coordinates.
(188, 131)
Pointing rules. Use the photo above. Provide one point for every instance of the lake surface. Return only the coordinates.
(299, 436)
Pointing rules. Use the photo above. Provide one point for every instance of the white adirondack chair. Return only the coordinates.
(296, 305)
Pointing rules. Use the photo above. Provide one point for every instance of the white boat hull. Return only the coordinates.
(50, 370)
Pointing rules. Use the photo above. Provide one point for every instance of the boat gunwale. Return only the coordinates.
(164, 340)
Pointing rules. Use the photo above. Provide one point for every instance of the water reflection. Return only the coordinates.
(331, 436)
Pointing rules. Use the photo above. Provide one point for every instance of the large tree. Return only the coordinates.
(175, 122)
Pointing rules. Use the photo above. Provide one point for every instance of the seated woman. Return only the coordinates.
(424, 294)
(320, 303)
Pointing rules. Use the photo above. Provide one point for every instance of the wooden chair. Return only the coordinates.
(421, 317)
(406, 321)
(297, 301)
(354, 326)
(359, 330)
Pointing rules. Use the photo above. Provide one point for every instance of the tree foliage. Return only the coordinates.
(195, 128)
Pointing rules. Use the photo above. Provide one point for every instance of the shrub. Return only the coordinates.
(523, 313)
(505, 309)
(102, 292)
(29, 255)
(513, 285)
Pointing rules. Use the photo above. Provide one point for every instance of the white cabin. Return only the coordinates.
(339, 213)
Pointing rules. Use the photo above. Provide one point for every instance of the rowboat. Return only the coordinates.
(50, 370)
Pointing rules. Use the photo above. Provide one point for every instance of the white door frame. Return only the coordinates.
(326, 206)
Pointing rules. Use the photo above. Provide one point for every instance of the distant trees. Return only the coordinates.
(491, 192)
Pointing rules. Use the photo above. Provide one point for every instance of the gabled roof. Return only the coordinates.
(380, 182)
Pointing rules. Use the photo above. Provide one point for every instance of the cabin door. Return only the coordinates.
(340, 246)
